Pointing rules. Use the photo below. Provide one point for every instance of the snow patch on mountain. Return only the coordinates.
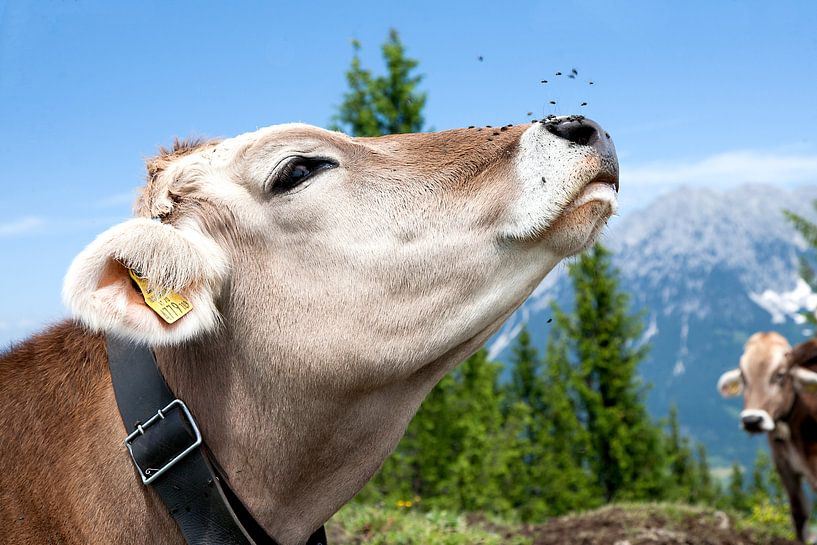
(787, 304)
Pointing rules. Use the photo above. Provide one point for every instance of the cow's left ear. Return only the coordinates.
(730, 384)
(805, 381)
(148, 281)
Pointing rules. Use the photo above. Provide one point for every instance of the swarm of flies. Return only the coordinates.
(573, 74)
(549, 120)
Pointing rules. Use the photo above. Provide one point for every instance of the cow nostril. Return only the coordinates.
(578, 132)
(752, 423)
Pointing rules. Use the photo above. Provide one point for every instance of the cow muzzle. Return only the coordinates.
(756, 421)
(582, 132)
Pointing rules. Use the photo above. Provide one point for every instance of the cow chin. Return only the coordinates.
(579, 227)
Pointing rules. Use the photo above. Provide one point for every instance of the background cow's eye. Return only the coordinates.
(295, 171)
(779, 376)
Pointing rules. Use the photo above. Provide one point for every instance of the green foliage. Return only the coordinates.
(762, 500)
(738, 499)
(603, 339)
(635, 522)
(387, 104)
(768, 520)
(371, 525)
(679, 457)
(551, 477)
(706, 490)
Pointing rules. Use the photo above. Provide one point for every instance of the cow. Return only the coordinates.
(333, 282)
(778, 384)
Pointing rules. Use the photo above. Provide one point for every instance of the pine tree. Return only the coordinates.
(526, 373)
(762, 468)
(707, 491)
(565, 464)
(523, 425)
(604, 340)
(737, 498)
(387, 104)
(679, 456)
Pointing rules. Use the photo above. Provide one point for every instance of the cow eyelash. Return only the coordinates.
(295, 171)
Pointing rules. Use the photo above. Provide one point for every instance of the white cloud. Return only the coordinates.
(726, 169)
(21, 226)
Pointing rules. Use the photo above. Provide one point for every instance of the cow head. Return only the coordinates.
(334, 281)
(421, 241)
(769, 375)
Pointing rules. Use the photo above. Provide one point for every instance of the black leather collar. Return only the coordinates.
(171, 457)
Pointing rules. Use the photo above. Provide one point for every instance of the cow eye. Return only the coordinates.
(296, 171)
(779, 376)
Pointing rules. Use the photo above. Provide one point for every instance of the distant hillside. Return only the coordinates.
(708, 268)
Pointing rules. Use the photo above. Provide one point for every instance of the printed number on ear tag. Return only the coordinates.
(732, 388)
(170, 306)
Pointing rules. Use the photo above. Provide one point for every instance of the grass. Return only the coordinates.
(374, 525)
(359, 524)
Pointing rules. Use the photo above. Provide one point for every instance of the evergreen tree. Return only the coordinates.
(766, 484)
(564, 471)
(758, 487)
(706, 489)
(738, 499)
(679, 457)
(523, 425)
(387, 104)
(526, 374)
(476, 474)
(626, 444)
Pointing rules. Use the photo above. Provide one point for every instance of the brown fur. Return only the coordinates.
(61, 446)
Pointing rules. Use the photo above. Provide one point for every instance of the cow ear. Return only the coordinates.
(148, 281)
(805, 381)
(731, 383)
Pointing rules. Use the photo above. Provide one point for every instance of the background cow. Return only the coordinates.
(334, 281)
(778, 398)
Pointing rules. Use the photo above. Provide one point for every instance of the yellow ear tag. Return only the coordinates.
(809, 388)
(170, 306)
(733, 388)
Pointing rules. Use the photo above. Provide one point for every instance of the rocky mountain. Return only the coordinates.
(707, 268)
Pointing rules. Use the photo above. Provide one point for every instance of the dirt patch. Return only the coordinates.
(641, 526)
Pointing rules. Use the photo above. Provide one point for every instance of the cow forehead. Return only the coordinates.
(764, 352)
(230, 149)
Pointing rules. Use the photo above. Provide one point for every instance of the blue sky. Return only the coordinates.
(695, 93)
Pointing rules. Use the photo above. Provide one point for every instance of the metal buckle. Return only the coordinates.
(150, 474)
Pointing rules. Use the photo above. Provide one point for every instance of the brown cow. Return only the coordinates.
(333, 280)
(778, 398)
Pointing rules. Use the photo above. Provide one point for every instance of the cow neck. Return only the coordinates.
(172, 457)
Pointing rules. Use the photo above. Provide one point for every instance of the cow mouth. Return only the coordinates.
(601, 188)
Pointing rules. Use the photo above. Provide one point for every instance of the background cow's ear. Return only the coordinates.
(176, 266)
(805, 381)
(731, 383)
